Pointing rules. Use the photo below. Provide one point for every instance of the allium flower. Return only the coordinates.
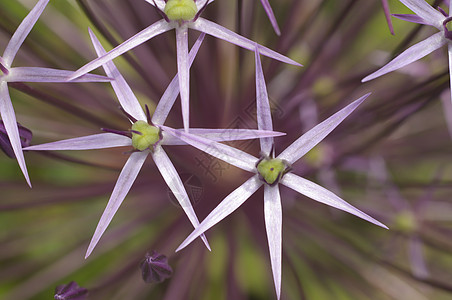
(70, 291)
(146, 137)
(425, 14)
(180, 15)
(155, 267)
(269, 172)
(25, 74)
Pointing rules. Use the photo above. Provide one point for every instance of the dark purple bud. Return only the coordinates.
(70, 291)
(155, 267)
(25, 139)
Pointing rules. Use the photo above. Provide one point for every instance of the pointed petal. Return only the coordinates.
(153, 30)
(123, 91)
(224, 209)
(33, 74)
(128, 175)
(264, 114)
(273, 224)
(425, 11)
(22, 31)
(183, 69)
(411, 18)
(10, 123)
(226, 153)
(200, 3)
(450, 7)
(220, 32)
(169, 97)
(95, 141)
(322, 195)
(221, 135)
(387, 15)
(314, 136)
(271, 16)
(410, 55)
(417, 260)
(160, 3)
(174, 182)
(449, 50)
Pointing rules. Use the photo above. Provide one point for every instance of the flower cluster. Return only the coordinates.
(173, 136)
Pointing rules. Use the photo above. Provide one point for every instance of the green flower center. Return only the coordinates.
(180, 10)
(405, 222)
(148, 135)
(271, 170)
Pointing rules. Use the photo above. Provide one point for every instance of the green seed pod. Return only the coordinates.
(148, 137)
(180, 10)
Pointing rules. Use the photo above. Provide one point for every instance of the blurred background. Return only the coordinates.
(391, 158)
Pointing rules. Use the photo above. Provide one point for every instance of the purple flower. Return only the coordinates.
(25, 74)
(70, 291)
(146, 136)
(180, 15)
(269, 171)
(155, 267)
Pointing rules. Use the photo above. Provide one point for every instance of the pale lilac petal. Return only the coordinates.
(127, 177)
(22, 31)
(263, 111)
(314, 136)
(273, 224)
(200, 3)
(183, 69)
(449, 50)
(226, 153)
(123, 91)
(322, 195)
(221, 135)
(410, 55)
(224, 209)
(411, 18)
(220, 32)
(34, 74)
(387, 15)
(425, 11)
(450, 6)
(160, 3)
(271, 16)
(172, 179)
(169, 97)
(10, 123)
(90, 142)
(417, 261)
(143, 36)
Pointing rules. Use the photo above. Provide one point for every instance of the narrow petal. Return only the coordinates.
(200, 3)
(417, 260)
(160, 3)
(22, 31)
(226, 153)
(95, 141)
(271, 16)
(221, 135)
(322, 195)
(385, 5)
(183, 69)
(410, 55)
(127, 177)
(450, 7)
(314, 136)
(174, 182)
(449, 50)
(10, 123)
(411, 18)
(273, 224)
(425, 11)
(33, 74)
(220, 32)
(123, 91)
(153, 30)
(169, 97)
(224, 209)
(264, 114)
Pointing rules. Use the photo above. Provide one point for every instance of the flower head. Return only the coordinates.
(155, 267)
(70, 291)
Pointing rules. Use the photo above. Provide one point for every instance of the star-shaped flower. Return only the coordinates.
(425, 14)
(180, 15)
(146, 137)
(26, 74)
(269, 171)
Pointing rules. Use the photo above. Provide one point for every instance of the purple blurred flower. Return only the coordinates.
(180, 15)
(70, 291)
(155, 267)
(269, 172)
